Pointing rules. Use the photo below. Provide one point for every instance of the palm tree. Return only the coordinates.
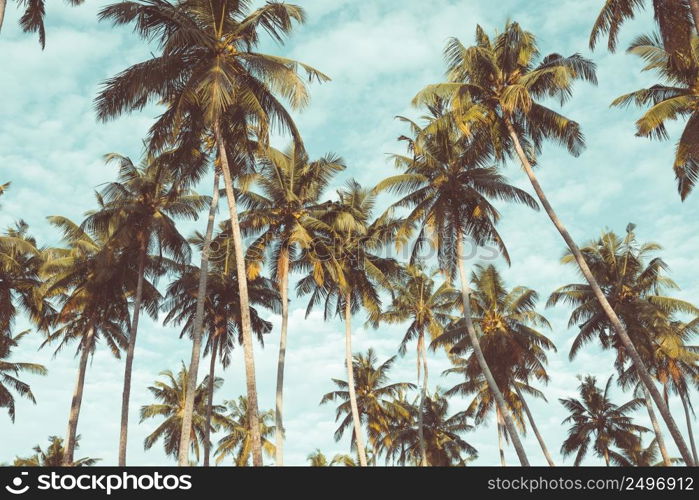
(635, 455)
(493, 88)
(374, 395)
(441, 432)
(207, 56)
(507, 322)
(89, 282)
(170, 397)
(53, 456)
(140, 208)
(317, 459)
(670, 100)
(596, 420)
(238, 438)
(449, 189)
(9, 370)
(221, 312)
(280, 217)
(32, 20)
(347, 274)
(634, 284)
(428, 309)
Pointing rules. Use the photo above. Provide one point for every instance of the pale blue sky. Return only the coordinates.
(379, 54)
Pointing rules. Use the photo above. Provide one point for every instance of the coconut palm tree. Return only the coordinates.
(635, 455)
(238, 438)
(374, 395)
(428, 309)
(9, 370)
(346, 274)
(32, 20)
(317, 459)
(449, 189)
(207, 57)
(442, 434)
(280, 219)
(170, 397)
(140, 208)
(89, 283)
(670, 100)
(53, 456)
(493, 88)
(598, 421)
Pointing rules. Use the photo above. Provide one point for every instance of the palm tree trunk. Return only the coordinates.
(188, 413)
(538, 435)
(656, 428)
(694, 7)
(687, 416)
(279, 432)
(3, 3)
(498, 418)
(77, 399)
(606, 457)
(423, 394)
(210, 401)
(248, 354)
(599, 294)
(128, 365)
(359, 440)
(485, 369)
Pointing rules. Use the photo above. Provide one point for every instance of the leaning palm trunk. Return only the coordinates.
(538, 435)
(685, 404)
(279, 432)
(210, 402)
(77, 399)
(185, 436)
(660, 439)
(694, 7)
(599, 294)
(248, 354)
(422, 361)
(128, 365)
(501, 447)
(3, 3)
(359, 440)
(485, 369)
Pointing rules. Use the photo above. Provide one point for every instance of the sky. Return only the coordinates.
(379, 57)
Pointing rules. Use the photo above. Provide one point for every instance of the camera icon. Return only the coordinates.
(16, 488)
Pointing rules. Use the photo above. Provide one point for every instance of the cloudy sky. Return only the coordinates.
(378, 56)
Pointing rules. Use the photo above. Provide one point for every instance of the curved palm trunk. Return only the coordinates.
(248, 353)
(350, 384)
(538, 435)
(128, 365)
(279, 432)
(77, 400)
(188, 413)
(3, 3)
(210, 402)
(599, 294)
(422, 360)
(656, 428)
(690, 432)
(501, 447)
(485, 369)
(694, 7)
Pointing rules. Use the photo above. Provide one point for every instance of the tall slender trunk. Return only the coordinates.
(358, 438)
(606, 457)
(660, 439)
(599, 294)
(185, 436)
(685, 404)
(538, 435)
(694, 7)
(210, 400)
(485, 369)
(422, 361)
(248, 353)
(501, 447)
(3, 3)
(77, 400)
(279, 433)
(128, 365)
